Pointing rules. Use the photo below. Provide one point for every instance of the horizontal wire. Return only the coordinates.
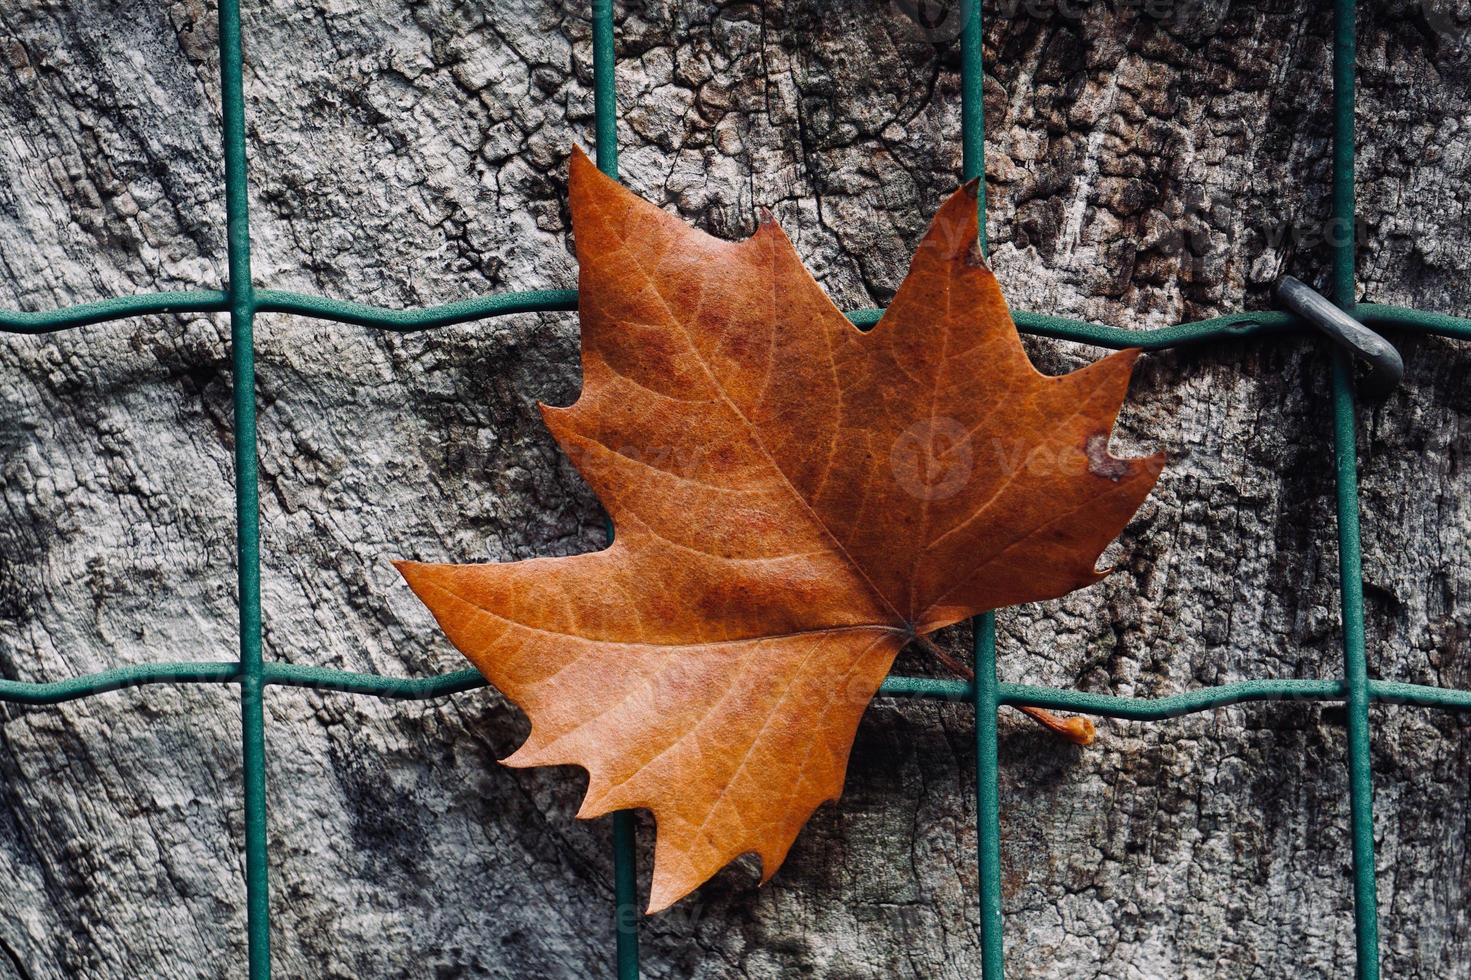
(426, 318)
(940, 688)
(1233, 326)
(1174, 705)
(349, 682)
(1230, 326)
(117, 678)
(1420, 695)
(116, 308)
(1380, 315)
(456, 682)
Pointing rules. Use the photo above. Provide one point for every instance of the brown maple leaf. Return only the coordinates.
(795, 500)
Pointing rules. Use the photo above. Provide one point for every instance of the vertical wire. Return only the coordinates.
(605, 97)
(1345, 454)
(625, 890)
(1344, 215)
(241, 294)
(1356, 676)
(973, 107)
(985, 691)
(625, 853)
(988, 797)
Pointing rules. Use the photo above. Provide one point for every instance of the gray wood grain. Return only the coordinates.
(1146, 164)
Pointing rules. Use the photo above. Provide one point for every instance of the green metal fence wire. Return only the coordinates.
(241, 301)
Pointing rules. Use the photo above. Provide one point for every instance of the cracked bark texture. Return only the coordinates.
(1146, 164)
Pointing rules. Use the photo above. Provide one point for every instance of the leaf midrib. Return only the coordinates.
(755, 433)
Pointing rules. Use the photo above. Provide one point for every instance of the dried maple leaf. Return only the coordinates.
(795, 501)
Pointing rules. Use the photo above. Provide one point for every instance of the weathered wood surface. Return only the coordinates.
(1143, 169)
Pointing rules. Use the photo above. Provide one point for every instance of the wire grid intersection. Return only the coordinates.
(242, 301)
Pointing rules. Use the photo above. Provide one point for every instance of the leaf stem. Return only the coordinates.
(1077, 729)
(949, 660)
